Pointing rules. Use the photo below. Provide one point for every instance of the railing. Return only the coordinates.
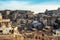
(19, 37)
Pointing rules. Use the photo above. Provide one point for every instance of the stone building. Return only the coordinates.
(5, 26)
(54, 13)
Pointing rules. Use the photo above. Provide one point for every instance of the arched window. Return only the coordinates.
(36, 37)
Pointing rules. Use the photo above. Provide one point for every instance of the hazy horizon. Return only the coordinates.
(33, 5)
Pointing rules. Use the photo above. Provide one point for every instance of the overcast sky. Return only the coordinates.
(33, 5)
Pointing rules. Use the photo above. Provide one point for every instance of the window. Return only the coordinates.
(1, 31)
(0, 24)
(11, 31)
(36, 37)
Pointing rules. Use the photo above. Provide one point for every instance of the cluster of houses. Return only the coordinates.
(27, 21)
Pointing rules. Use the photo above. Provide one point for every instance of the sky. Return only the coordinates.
(33, 5)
